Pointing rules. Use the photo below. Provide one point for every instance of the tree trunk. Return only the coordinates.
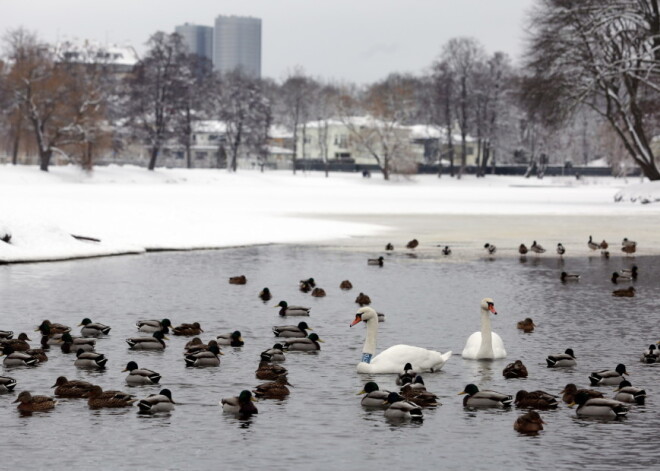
(154, 157)
(16, 143)
(44, 159)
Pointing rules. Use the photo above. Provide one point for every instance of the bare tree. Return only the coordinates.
(296, 94)
(441, 106)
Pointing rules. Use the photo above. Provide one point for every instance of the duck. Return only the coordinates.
(13, 358)
(416, 393)
(49, 338)
(269, 371)
(529, 423)
(308, 344)
(265, 295)
(233, 339)
(536, 400)
(376, 261)
(632, 271)
(399, 408)
(564, 277)
(243, 404)
(526, 325)
(237, 280)
(71, 388)
(98, 398)
(515, 370)
(7, 384)
(536, 248)
(628, 246)
(363, 299)
(187, 329)
(560, 250)
(571, 390)
(608, 377)
(155, 342)
(522, 249)
(276, 353)
(345, 285)
(374, 397)
(446, 250)
(485, 345)
(391, 359)
(154, 403)
(628, 292)
(288, 331)
(476, 398)
(93, 329)
(593, 245)
(29, 403)
(19, 344)
(38, 353)
(274, 390)
(650, 355)
(389, 246)
(286, 310)
(626, 392)
(318, 292)
(196, 345)
(599, 407)
(49, 328)
(490, 248)
(90, 360)
(6, 334)
(412, 244)
(619, 278)
(406, 376)
(72, 344)
(204, 358)
(151, 325)
(306, 285)
(604, 245)
(140, 376)
(561, 360)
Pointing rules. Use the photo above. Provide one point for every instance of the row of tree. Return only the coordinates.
(588, 88)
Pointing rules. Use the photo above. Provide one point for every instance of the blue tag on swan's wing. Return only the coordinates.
(366, 357)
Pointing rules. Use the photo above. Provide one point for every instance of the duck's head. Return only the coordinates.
(407, 367)
(520, 395)
(236, 335)
(363, 315)
(79, 352)
(569, 351)
(570, 388)
(24, 397)
(95, 391)
(314, 338)
(85, 321)
(303, 326)
(66, 338)
(278, 346)
(166, 323)
(23, 336)
(60, 381)
(580, 398)
(621, 369)
(215, 348)
(393, 397)
(130, 366)
(369, 387)
(470, 390)
(623, 384)
(487, 304)
(245, 396)
(419, 379)
(160, 335)
(282, 304)
(168, 394)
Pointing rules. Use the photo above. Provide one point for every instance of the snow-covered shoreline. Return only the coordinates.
(132, 210)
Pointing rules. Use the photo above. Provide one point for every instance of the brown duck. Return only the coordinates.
(527, 325)
(529, 423)
(97, 398)
(269, 371)
(345, 285)
(515, 370)
(29, 403)
(238, 280)
(571, 390)
(74, 388)
(274, 390)
(187, 329)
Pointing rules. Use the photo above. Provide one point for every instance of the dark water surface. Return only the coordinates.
(428, 301)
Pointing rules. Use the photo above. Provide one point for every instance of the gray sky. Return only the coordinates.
(353, 40)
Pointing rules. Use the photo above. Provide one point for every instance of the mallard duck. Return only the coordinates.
(13, 358)
(265, 295)
(536, 248)
(6, 334)
(153, 325)
(243, 404)
(571, 390)
(19, 344)
(490, 248)
(195, 345)
(306, 285)
(628, 246)
(286, 310)
(74, 388)
(155, 342)
(205, 358)
(274, 390)
(373, 396)
(318, 292)
(624, 293)
(619, 278)
(187, 329)
(476, 398)
(389, 246)
(416, 393)
(140, 376)
(237, 280)
(561, 360)
(593, 245)
(49, 328)
(91, 360)
(529, 423)
(536, 400)
(564, 277)
(49, 337)
(515, 370)
(7, 384)
(29, 403)
(345, 285)
(608, 377)
(527, 325)
(269, 371)
(233, 339)
(522, 249)
(73, 344)
(626, 392)
(406, 376)
(604, 245)
(274, 354)
(38, 353)
(376, 261)
(650, 355)
(288, 331)
(93, 329)
(412, 244)
(446, 250)
(632, 271)
(97, 398)
(362, 299)
(309, 344)
(560, 250)
(399, 408)
(161, 402)
(598, 407)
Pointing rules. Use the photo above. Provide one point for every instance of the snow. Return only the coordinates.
(644, 193)
(132, 210)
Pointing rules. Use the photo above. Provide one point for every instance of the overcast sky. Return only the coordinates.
(349, 40)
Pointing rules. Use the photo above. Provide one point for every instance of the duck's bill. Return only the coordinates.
(361, 392)
(461, 393)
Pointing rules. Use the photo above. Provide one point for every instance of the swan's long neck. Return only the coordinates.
(372, 335)
(486, 348)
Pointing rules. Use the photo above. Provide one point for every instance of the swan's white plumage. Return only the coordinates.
(393, 359)
(484, 345)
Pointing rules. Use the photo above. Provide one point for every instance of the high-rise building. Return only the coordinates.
(199, 39)
(237, 44)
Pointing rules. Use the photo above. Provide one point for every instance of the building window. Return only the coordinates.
(341, 141)
(200, 155)
(342, 155)
(178, 155)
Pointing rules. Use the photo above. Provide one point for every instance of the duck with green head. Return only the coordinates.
(93, 329)
(243, 404)
(233, 339)
(155, 342)
(140, 376)
(73, 344)
(153, 325)
(13, 358)
(90, 360)
(374, 396)
(286, 310)
(475, 398)
(203, 358)
(309, 344)
(161, 402)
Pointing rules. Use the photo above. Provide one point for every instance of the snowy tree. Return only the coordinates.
(324, 107)
(441, 105)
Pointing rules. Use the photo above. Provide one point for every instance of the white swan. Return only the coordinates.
(394, 358)
(485, 345)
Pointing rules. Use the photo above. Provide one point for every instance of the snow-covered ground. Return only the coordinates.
(132, 210)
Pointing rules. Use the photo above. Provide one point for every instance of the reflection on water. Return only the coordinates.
(430, 300)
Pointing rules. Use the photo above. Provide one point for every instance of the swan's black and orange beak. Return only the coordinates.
(491, 308)
(358, 319)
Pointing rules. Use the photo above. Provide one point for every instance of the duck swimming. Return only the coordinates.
(599, 407)
(29, 403)
(486, 344)
(564, 277)
(269, 371)
(187, 329)
(265, 295)
(376, 261)
(98, 398)
(93, 329)
(309, 344)
(626, 392)
(286, 310)
(561, 360)
(237, 280)
(273, 390)
(13, 358)
(161, 402)
(73, 344)
(373, 396)
(155, 342)
(233, 339)
(205, 358)
(274, 354)
(152, 325)
(288, 331)
(399, 408)
(608, 377)
(476, 398)
(90, 360)
(74, 388)
(7, 384)
(571, 390)
(536, 400)
(362, 299)
(650, 355)
(515, 370)
(529, 423)
(346, 285)
(243, 404)
(527, 325)
(140, 376)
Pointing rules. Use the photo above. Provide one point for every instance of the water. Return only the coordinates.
(428, 301)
